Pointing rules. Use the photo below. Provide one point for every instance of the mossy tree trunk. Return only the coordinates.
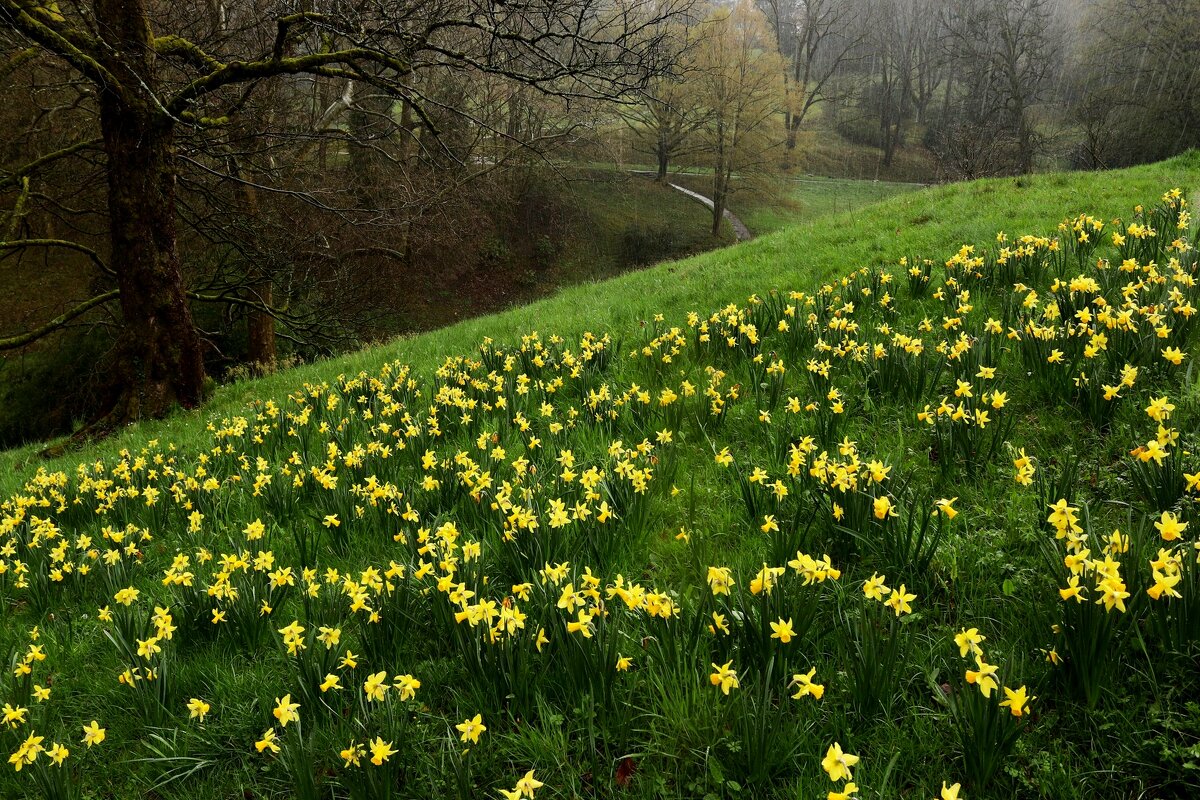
(161, 361)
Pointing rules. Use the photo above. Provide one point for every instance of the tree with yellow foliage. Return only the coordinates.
(739, 84)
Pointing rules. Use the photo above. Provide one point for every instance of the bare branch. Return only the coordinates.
(65, 244)
(69, 44)
(242, 71)
(14, 177)
(22, 339)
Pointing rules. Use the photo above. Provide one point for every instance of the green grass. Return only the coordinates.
(823, 154)
(661, 729)
(805, 199)
(626, 221)
(794, 197)
(599, 224)
(931, 222)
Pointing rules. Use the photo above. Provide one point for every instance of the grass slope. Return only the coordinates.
(809, 198)
(930, 222)
(590, 225)
(595, 225)
(700, 714)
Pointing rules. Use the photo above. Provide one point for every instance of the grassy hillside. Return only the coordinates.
(577, 225)
(796, 200)
(931, 222)
(589, 225)
(826, 152)
(810, 197)
(891, 484)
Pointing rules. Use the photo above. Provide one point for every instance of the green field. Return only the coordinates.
(628, 221)
(789, 198)
(804, 199)
(689, 532)
(787, 201)
(592, 225)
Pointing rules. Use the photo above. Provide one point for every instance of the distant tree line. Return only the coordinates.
(986, 87)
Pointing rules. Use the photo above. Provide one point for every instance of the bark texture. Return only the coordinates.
(161, 360)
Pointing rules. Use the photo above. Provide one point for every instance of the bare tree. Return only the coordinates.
(905, 67)
(1004, 55)
(669, 113)
(739, 82)
(164, 84)
(1135, 86)
(819, 39)
(892, 57)
(928, 56)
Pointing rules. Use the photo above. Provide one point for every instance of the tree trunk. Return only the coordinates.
(407, 132)
(361, 159)
(161, 362)
(261, 329)
(1024, 145)
(789, 144)
(260, 324)
(664, 159)
(885, 126)
(947, 97)
(720, 192)
(797, 112)
(889, 145)
(720, 181)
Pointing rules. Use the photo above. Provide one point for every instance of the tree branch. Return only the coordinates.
(71, 45)
(241, 71)
(14, 177)
(284, 26)
(16, 60)
(64, 244)
(178, 46)
(22, 339)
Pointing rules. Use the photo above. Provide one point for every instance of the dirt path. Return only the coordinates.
(739, 228)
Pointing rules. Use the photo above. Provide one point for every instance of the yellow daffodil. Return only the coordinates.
(93, 734)
(407, 685)
(946, 507)
(782, 630)
(376, 686)
(285, 710)
(1017, 701)
(847, 792)
(197, 708)
(805, 687)
(381, 751)
(724, 676)
(838, 764)
(968, 641)
(57, 753)
(984, 677)
(527, 785)
(471, 729)
(883, 507)
(352, 755)
(1169, 526)
(899, 601)
(267, 742)
(874, 588)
